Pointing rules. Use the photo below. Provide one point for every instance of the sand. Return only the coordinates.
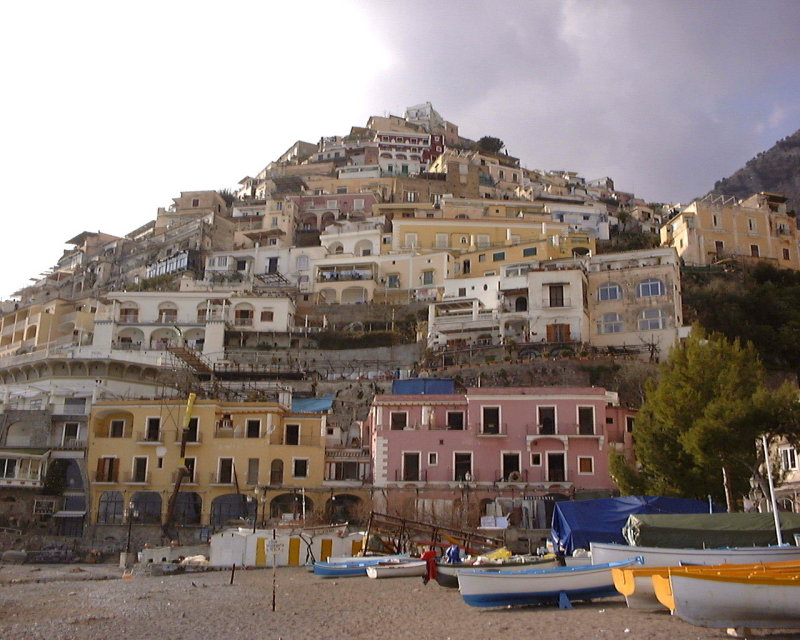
(94, 602)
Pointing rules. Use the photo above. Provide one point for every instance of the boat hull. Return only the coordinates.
(397, 569)
(538, 586)
(730, 601)
(603, 552)
(446, 573)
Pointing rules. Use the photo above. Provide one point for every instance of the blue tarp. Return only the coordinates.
(312, 405)
(423, 386)
(576, 523)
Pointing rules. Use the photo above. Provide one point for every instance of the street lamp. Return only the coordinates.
(260, 497)
(132, 513)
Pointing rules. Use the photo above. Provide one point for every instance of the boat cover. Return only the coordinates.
(576, 523)
(709, 530)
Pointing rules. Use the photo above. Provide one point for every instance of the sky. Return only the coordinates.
(110, 110)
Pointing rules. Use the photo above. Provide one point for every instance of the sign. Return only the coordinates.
(274, 546)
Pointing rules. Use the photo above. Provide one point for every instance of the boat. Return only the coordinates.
(759, 600)
(559, 586)
(604, 552)
(636, 583)
(365, 559)
(446, 572)
(397, 569)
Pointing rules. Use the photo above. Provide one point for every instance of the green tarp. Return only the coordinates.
(709, 530)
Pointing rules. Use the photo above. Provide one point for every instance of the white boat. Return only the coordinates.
(364, 559)
(446, 572)
(538, 586)
(397, 569)
(604, 552)
(737, 601)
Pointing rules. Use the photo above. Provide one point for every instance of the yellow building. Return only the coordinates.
(718, 228)
(233, 448)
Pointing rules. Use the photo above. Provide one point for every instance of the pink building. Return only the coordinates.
(489, 440)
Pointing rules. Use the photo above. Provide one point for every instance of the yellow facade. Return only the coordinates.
(233, 449)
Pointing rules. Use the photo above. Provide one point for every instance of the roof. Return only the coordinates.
(322, 404)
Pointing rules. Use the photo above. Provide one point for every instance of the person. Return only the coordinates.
(429, 557)
(453, 553)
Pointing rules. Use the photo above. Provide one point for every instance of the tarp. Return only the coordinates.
(698, 531)
(322, 404)
(576, 523)
(423, 386)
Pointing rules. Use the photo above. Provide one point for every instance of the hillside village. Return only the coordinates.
(395, 319)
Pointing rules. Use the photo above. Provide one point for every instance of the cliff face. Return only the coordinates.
(776, 170)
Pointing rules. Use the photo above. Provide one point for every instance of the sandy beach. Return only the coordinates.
(80, 602)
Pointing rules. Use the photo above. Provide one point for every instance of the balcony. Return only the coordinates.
(345, 275)
(537, 429)
(556, 302)
(490, 429)
(72, 444)
(220, 478)
(243, 322)
(137, 478)
(194, 438)
(150, 437)
(104, 478)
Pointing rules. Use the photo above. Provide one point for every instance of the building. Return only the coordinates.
(717, 228)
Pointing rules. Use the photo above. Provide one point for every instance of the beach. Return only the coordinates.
(83, 602)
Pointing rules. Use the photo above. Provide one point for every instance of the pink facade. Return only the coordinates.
(536, 439)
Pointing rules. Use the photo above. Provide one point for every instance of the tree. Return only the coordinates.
(696, 432)
(488, 144)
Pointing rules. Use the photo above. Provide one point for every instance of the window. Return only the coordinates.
(411, 467)
(650, 287)
(267, 316)
(330, 204)
(462, 466)
(411, 241)
(585, 421)
(788, 458)
(192, 435)
(556, 292)
(427, 277)
(107, 469)
(358, 204)
(652, 320)
(751, 224)
(74, 406)
(482, 257)
(8, 468)
(629, 424)
(609, 291)
(292, 434)
(195, 202)
(754, 251)
(511, 470)
(72, 432)
(243, 317)
(302, 262)
(719, 246)
(610, 323)
(225, 471)
(529, 251)
(441, 240)
(785, 254)
(167, 316)
(536, 459)
(398, 420)
(153, 431)
(455, 420)
(252, 471)
(139, 470)
(497, 257)
(254, 428)
(483, 240)
(393, 281)
(241, 265)
(300, 467)
(715, 220)
(116, 429)
(585, 466)
(547, 420)
(191, 465)
(490, 423)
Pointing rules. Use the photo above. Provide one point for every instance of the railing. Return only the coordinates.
(187, 479)
(72, 443)
(556, 303)
(243, 322)
(540, 429)
(110, 478)
(344, 276)
(489, 429)
(194, 438)
(137, 478)
(150, 436)
(420, 476)
(220, 478)
(521, 476)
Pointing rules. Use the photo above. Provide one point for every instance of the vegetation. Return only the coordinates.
(55, 480)
(696, 432)
(349, 340)
(488, 144)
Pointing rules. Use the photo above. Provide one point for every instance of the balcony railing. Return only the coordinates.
(556, 303)
(194, 438)
(540, 429)
(420, 476)
(345, 276)
(220, 478)
(490, 429)
(137, 478)
(150, 437)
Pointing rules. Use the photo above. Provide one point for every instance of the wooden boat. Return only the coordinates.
(636, 583)
(604, 552)
(760, 600)
(365, 559)
(397, 569)
(539, 586)
(446, 572)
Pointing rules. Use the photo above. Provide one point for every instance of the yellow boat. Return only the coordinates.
(637, 584)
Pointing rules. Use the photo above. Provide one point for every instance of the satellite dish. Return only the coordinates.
(161, 451)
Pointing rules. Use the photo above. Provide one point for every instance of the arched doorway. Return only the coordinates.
(148, 504)
(343, 507)
(231, 507)
(110, 508)
(276, 472)
(290, 503)
(188, 507)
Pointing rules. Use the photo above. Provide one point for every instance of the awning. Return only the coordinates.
(25, 453)
(69, 514)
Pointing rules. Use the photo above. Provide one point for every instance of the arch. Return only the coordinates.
(364, 248)
(354, 295)
(78, 369)
(30, 332)
(343, 507)
(188, 508)
(335, 247)
(386, 155)
(110, 508)
(309, 222)
(167, 312)
(328, 218)
(609, 291)
(290, 503)
(19, 434)
(148, 504)
(610, 323)
(231, 507)
(650, 287)
(581, 251)
(521, 303)
(276, 471)
(73, 477)
(328, 296)
(128, 312)
(163, 338)
(195, 338)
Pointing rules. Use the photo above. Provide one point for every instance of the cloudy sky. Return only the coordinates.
(111, 109)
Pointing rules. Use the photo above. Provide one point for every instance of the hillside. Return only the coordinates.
(776, 170)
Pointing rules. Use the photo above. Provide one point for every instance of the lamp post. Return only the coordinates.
(260, 497)
(132, 513)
